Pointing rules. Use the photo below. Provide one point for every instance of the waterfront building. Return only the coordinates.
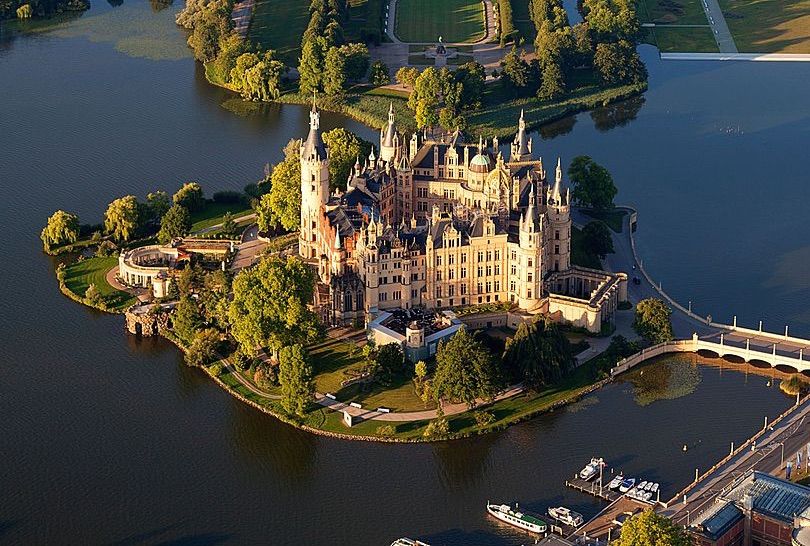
(757, 510)
(436, 222)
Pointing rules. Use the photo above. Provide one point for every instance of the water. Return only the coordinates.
(107, 439)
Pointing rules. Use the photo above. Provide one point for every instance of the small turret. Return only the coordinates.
(372, 160)
(522, 145)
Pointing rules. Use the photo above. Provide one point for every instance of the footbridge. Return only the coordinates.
(737, 345)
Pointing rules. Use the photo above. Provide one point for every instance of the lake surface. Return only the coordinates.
(108, 439)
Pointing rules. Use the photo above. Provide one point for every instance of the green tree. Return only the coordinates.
(93, 296)
(229, 227)
(310, 68)
(243, 62)
(175, 223)
(187, 320)
(379, 74)
(539, 353)
(390, 360)
(598, 239)
(514, 69)
(650, 529)
(420, 371)
(472, 78)
(344, 149)
(465, 370)
(190, 196)
(552, 84)
(62, 228)
(204, 39)
(619, 63)
(158, 203)
(262, 81)
(122, 218)
(282, 204)
(271, 305)
(424, 99)
(407, 75)
(593, 185)
(357, 61)
(204, 348)
(295, 378)
(334, 71)
(653, 320)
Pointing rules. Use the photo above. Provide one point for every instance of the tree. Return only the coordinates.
(344, 149)
(552, 84)
(228, 225)
(270, 305)
(157, 203)
(514, 69)
(334, 71)
(357, 60)
(175, 223)
(187, 320)
(93, 296)
(204, 39)
(653, 320)
(424, 99)
(282, 204)
(611, 20)
(310, 68)
(598, 239)
(121, 218)
(190, 196)
(203, 348)
(651, 529)
(420, 371)
(593, 185)
(243, 62)
(465, 370)
(295, 377)
(619, 63)
(407, 76)
(379, 74)
(390, 360)
(539, 353)
(262, 80)
(472, 78)
(62, 228)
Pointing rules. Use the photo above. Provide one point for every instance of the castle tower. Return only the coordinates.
(338, 265)
(314, 187)
(557, 239)
(530, 267)
(521, 149)
(389, 140)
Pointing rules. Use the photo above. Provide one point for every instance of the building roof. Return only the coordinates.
(719, 519)
(480, 163)
(770, 496)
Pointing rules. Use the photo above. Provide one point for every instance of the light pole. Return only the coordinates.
(783, 453)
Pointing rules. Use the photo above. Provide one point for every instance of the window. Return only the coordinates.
(497, 269)
(529, 294)
(480, 271)
(489, 286)
(531, 262)
(512, 286)
(514, 255)
(438, 275)
(438, 260)
(438, 291)
(556, 249)
(451, 291)
(497, 286)
(489, 270)
(497, 255)
(463, 289)
(514, 269)
(489, 256)
(529, 276)
(414, 276)
(480, 256)
(383, 296)
(557, 235)
(451, 274)
(480, 288)
(556, 265)
(451, 259)
(421, 192)
(463, 272)
(413, 293)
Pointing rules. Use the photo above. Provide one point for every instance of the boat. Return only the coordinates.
(517, 518)
(616, 481)
(591, 469)
(627, 485)
(648, 487)
(654, 488)
(404, 541)
(566, 516)
(646, 496)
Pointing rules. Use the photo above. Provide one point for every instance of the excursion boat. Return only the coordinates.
(616, 481)
(408, 542)
(566, 516)
(627, 485)
(517, 518)
(591, 469)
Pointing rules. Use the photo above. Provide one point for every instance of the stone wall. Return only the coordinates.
(142, 320)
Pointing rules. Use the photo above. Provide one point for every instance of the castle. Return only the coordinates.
(440, 223)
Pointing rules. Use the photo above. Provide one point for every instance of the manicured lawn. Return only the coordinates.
(331, 360)
(80, 275)
(211, 214)
(580, 256)
(769, 26)
(682, 12)
(279, 25)
(683, 40)
(453, 20)
(613, 218)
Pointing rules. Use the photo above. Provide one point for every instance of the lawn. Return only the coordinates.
(279, 25)
(681, 12)
(332, 362)
(523, 23)
(453, 20)
(80, 275)
(613, 218)
(682, 40)
(769, 26)
(211, 214)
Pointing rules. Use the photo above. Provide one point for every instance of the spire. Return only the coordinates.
(480, 144)
(521, 149)
(337, 238)
(357, 170)
(532, 199)
(314, 147)
(556, 192)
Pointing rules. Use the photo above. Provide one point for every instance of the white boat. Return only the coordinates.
(646, 496)
(641, 486)
(627, 485)
(616, 481)
(648, 487)
(566, 516)
(591, 469)
(404, 541)
(654, 489)
(517, 518)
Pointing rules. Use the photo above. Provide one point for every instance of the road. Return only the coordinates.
(720, 31)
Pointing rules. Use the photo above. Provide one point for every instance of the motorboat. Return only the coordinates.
(591, 469)
(627, 485)
(404, 541)
(517, 518)
(616, 481)
(566, 516)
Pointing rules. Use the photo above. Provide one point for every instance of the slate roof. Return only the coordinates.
(771, 496)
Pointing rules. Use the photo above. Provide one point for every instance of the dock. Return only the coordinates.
(594, 488)
(606, 525)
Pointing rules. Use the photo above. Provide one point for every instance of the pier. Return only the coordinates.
(594, 488)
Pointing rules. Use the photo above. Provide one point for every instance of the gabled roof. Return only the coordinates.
(771, 496)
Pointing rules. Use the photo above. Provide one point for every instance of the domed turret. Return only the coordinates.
(479, 168)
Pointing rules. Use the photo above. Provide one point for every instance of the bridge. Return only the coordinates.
(737, 345)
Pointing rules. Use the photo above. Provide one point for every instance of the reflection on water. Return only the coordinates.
(618, 114)
(667, 379)
(583, 404)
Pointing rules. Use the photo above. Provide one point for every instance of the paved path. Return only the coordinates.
(769, 57)
(720, 31)
(112, 279)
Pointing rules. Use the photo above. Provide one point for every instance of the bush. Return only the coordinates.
(106, 249)
(215, 369)
(484, 418)
(386, 430)
(437, 429)
(203, 349)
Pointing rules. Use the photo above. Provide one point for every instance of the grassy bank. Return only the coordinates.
(769, 26)
(76, 278)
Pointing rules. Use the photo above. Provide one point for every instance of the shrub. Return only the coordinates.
(215, 369)
(106, 249)
(437, 429)
(386, 430)
(484, 418)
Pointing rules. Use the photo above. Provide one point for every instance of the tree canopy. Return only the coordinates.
(270, 305)
(538, 353)
(344, 150)
(122, 218)
(295, 378)
(62, 228)
(593, 185)
(598, 239)
(379, 74)
(175, 223)
(653, 320)
(190, 196)
(465, 370)
(281, 206)
(619, 63)
(187, 319)
(650, 529)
